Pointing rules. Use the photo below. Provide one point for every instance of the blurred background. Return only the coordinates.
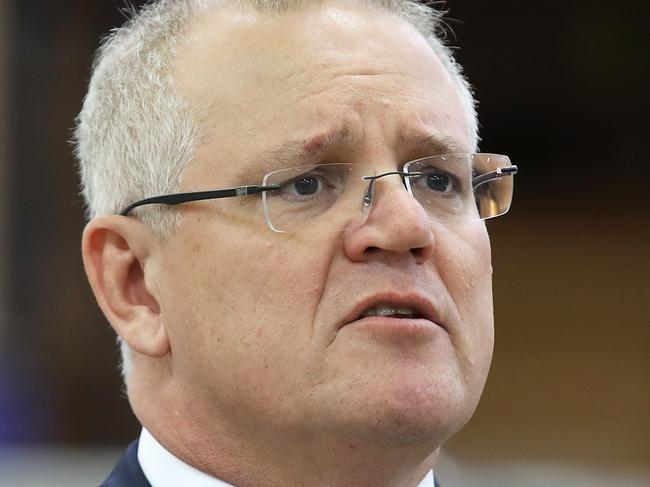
(563, 89)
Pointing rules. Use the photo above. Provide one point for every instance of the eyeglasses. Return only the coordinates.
(336, 196)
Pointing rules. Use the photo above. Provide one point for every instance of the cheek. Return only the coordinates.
(247, 308)
(465, 266)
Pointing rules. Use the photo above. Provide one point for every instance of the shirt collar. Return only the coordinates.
(163, 469)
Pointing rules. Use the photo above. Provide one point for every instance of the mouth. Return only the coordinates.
(391, 310)
(408, 308)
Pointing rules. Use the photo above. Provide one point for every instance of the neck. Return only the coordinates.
(283, 461)
(245, 454)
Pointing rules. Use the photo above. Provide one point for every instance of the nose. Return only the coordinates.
(397, 224)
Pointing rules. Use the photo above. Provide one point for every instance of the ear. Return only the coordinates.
(118, 255)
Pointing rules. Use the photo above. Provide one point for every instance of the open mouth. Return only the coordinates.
(414, 308)
(396, 317)
(397, 311)
(392, 311)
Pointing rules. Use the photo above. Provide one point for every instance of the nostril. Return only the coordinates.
(421, 254)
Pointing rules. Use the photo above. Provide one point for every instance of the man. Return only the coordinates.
(286, 234)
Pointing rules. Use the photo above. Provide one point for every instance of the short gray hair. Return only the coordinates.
(135, 135)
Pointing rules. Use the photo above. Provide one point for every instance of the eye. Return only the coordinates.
(434, 181)
(312, 184)
(306, 185)
(440, 182)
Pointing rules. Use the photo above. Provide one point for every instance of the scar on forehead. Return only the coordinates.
(316, 143)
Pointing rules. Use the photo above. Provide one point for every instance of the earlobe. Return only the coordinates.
(119, 258)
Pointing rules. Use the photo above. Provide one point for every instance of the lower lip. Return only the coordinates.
(396, 327)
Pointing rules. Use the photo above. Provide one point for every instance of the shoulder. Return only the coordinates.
(127, 472)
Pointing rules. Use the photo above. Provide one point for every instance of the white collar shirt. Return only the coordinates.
(163, 469)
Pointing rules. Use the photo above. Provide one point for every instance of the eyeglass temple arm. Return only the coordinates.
(175, 199)
(488, 176)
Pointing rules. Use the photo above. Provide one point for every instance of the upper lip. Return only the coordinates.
(418, 302)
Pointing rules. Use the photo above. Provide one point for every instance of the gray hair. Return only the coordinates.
(135, 135)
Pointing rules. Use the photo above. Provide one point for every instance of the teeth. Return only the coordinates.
(390, 310)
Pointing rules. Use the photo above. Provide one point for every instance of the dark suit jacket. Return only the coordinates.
(127, 472)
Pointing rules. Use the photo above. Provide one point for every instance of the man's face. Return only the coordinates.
(263, 326)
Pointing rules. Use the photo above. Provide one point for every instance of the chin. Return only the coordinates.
(407, 410)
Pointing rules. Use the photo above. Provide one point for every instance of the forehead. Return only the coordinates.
(324, 77)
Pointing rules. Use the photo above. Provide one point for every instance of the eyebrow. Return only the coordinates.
(431, 143)
(316, 145)
(297, 152)
(310, 150)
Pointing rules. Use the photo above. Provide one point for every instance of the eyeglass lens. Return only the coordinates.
(335, 196)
